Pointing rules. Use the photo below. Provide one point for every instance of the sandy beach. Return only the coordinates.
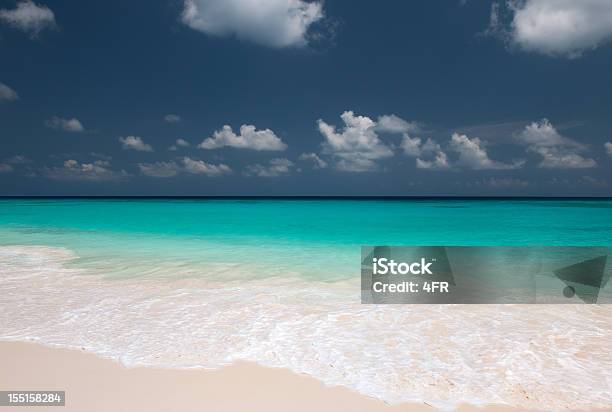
(96, 384)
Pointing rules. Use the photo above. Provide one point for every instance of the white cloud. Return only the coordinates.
(75, 170)
(249, 138)
(29, 17)
(135, 143)
(274, 168)
(172, 118)
(7, 94)
(186, 165)
(473, 155)
(411, 145)
(439, 162)
(544, 134)
(5, 168)
(565, 28)
(414, 146)
(608, 146)
(357, 147)
(556, 150)
(317, 162)
(429, 154)
(159, 169)
(179, 143)
(199, 167)
(67, 125)
(391, 123)
(560, 158)
(274, 23)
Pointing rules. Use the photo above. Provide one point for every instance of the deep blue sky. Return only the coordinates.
(119, 67)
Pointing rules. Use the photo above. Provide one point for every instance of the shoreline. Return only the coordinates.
(186, 324)
(95, 383)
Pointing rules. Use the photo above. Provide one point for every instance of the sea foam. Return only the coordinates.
(523, 355)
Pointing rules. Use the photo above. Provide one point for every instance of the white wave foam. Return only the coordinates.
(527, 356)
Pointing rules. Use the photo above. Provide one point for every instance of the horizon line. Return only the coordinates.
(302, 197)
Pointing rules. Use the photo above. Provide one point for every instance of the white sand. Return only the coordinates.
(95, 384)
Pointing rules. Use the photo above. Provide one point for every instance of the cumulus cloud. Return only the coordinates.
(544, 134)
(560, 158)
(159, 169)
(472, 154)
(411, 145)
(29, 17)
(274, 168)
(179, 143)
(172, 118)
(5, 168)
(429, 154)
(357, 147)
(608, 147)
(199, 167)
(249, 138)
(135, 143)
(317, 162)
(273, 23)
(439, 162)
(72, 125)
(186, 165)
(565, 28)
(75, 170)
(391, 123)
(557, 151)
(7, 94)
(414, 146)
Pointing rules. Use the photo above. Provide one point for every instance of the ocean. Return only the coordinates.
(206, 282)
(315, 239)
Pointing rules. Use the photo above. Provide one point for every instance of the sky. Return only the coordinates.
(295, 97)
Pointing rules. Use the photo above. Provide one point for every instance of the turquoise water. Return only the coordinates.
(310, 238)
